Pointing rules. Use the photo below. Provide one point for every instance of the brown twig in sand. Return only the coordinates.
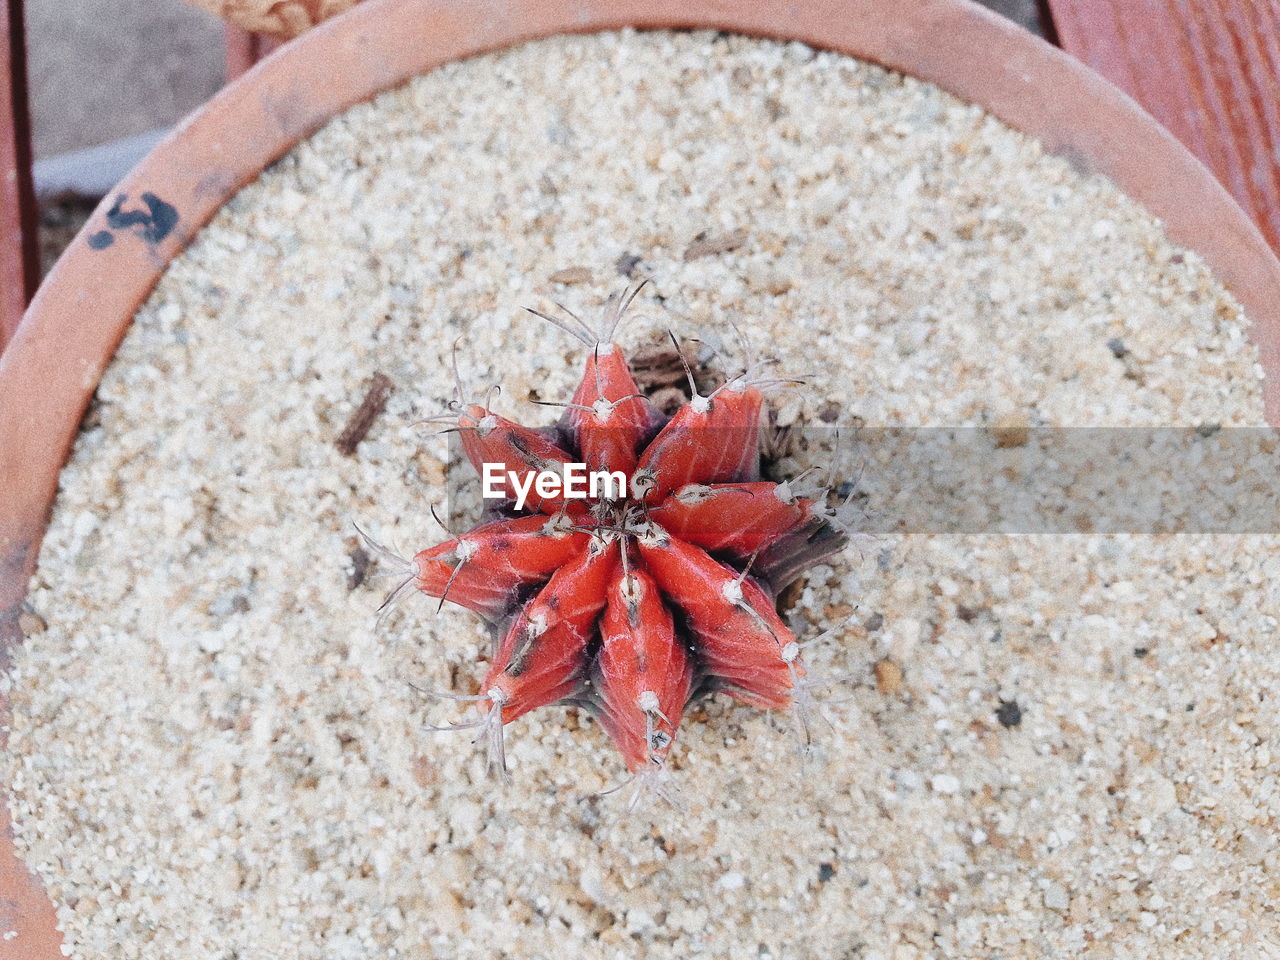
(374, 402)
(711, 244)
(571, 275)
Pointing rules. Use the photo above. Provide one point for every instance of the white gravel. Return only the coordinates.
(214, 755)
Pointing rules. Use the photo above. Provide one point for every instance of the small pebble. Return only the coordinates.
(945, 783)
(1057, 898)
(1012, 430)
(31, 623)
(888, 676)
(1009, 713)
(732, 881)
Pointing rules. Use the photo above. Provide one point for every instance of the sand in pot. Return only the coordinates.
(1048, 742)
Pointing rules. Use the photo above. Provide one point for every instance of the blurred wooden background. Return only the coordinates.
(1209, 70)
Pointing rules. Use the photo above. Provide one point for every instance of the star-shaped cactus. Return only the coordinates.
(632, 605)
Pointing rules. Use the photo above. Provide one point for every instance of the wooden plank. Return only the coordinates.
(19, 242)
(1209, 70)
(23, 904)
(244, 49)
(1028, 14)
(240, 51)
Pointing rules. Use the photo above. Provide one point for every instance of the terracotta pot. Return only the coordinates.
(80, 314)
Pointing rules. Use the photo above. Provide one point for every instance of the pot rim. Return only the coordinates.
(79, 315)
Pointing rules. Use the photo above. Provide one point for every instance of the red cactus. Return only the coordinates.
(635, 605)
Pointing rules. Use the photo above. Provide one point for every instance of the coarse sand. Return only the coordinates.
(1046, 746)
